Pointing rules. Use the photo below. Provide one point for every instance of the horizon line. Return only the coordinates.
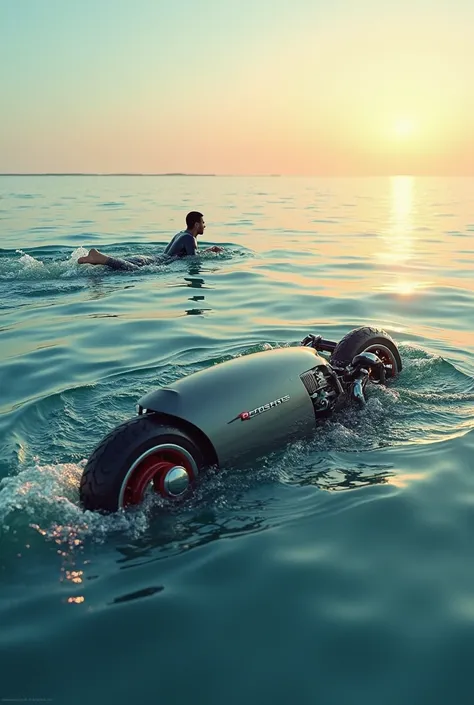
(194, 174)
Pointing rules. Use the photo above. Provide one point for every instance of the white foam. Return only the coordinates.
(45, 498)
(29, 262)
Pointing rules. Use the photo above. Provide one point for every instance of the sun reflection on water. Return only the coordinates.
(399, 236)
(399, 239)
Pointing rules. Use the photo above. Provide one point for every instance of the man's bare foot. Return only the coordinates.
(94, 257)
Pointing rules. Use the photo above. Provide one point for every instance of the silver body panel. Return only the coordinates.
(266, 385)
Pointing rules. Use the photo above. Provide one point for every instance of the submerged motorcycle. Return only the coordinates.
(232, 412)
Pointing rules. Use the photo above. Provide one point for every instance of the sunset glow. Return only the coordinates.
(240, 87)
(404, 128)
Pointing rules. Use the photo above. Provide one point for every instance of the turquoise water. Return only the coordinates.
(339, 572)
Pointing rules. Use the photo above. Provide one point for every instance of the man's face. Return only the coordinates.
(202, 225)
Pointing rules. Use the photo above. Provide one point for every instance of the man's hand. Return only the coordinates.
(215, 248)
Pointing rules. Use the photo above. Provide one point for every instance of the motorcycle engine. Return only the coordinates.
(322, 387)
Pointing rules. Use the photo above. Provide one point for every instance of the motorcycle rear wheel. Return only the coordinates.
(367, 339)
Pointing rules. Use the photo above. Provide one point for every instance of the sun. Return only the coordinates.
(404, 127)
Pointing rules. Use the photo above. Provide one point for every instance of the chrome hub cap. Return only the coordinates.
(176, 481)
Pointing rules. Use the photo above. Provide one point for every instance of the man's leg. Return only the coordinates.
(141, 260)
(96, 257)
(130, 264)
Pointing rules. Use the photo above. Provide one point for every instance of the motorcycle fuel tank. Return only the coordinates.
(248, 405)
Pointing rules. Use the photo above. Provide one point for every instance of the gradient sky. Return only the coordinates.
(304, 87)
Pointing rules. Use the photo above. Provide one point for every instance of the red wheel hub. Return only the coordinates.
(153, 470)
(386, 356)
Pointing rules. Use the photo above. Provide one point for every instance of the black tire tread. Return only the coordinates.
(100, 481)
(354, 342)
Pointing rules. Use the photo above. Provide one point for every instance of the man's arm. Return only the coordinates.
(190, 246)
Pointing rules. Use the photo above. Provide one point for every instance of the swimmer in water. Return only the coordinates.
(183, 244)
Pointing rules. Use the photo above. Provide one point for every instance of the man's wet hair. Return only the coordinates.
(192, 218)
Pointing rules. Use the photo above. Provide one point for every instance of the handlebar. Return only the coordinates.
(318, 343)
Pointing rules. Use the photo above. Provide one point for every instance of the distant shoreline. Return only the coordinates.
(240, 176)
(83, 173)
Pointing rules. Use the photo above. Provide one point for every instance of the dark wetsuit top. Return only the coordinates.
(182, 244)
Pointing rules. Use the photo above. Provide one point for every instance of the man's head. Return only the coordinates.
(195, 223)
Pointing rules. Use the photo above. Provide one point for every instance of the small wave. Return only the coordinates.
(45, 499)
(43, 228)
(58, 264)
(27, 267)
(24, 196)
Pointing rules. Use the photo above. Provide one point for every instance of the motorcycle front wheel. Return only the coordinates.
(141, 455)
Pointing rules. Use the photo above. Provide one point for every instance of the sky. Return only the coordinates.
(293, 87)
